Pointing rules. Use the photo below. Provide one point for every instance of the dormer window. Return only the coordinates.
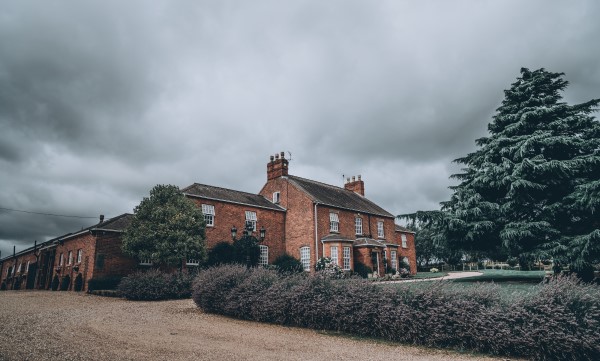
(276, 197)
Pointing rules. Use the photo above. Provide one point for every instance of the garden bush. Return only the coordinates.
(221, 253)
(559, 320)
(104, 283)
(288, 264)
(155, 285)
(362, 270)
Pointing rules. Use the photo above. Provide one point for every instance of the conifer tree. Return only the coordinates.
(533, 185)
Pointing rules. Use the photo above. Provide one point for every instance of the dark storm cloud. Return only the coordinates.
(99, 101)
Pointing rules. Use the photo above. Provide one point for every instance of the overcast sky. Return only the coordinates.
(100, 101)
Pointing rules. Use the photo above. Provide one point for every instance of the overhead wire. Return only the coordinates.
(46, 214)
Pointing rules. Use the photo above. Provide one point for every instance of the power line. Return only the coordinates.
(44, 214)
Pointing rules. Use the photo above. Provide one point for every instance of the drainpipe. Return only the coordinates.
(316, 236)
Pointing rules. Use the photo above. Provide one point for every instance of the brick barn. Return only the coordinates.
(302, 217)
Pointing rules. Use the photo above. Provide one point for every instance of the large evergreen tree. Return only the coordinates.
(533, 185)
(167, 228)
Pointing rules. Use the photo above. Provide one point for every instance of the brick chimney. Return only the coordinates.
(356, 185)
(277, 167)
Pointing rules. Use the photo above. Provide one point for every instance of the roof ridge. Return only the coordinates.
(325, 184)
(227, 189)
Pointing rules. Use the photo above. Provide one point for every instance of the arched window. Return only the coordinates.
(305, 258)
(264, 255)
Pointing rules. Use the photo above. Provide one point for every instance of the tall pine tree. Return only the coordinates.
(533, 185)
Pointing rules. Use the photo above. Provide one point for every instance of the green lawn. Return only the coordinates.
(430, 274)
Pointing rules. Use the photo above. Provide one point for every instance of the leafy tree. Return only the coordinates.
(533, 186)
(222, 253)
(166, 228)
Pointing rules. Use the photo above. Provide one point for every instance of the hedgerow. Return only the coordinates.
(559, 321)
(155, 285)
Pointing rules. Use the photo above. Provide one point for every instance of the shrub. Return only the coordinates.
(325, 267)
(362, 270)
(434, 270)
(288, 264)
(513, 261)
(78, 284)
(55, 283)
(104, 283)
(221, 253)
(65, 282)
(155, 285)
(565, 313)
(3, 286)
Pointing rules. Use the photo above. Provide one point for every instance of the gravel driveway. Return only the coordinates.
(43, 325)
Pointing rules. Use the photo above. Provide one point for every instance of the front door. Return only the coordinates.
(375, 262)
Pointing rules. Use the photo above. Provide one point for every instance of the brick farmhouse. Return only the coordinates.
(304, 218)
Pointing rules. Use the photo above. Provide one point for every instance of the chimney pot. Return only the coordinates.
(348, 180)
(272, 158)
(101, 218)
(359, 177)
(282, 155)
(276, 156)
(353, 178)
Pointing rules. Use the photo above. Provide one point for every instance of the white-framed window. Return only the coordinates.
(145, 262)
(61, 261)
(404, 243)
(334, 222)
(305, 258)
(70, 258)
(394, 256)
(263, 260)
(380, 232)
(192, 262)
(276, 197)
(334, 255)
(27, 267)
(20, 268)
(79, 253)
(346, 258)
(358, 225)
(251, 217)
(209, 214)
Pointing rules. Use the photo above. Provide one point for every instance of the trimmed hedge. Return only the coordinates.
(559, 321)
(104, 283)
(155, 285)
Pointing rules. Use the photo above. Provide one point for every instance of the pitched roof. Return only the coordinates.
(118, 223)
(229, 195)
(337, 197)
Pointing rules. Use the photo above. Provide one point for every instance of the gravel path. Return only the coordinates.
(43, 325)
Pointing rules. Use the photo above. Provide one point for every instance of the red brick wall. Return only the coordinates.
(228, 215)
(340, 246)
(116, 263)
(408, 252)
(19, 277)
(299, 227)
(87, 243)
(363, 255)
